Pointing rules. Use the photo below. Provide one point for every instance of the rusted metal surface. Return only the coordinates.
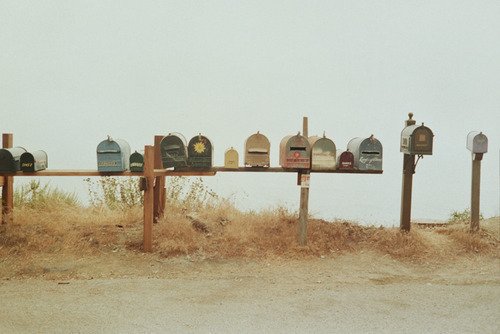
(257, 151)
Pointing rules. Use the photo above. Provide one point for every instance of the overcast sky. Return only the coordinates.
(72, 72)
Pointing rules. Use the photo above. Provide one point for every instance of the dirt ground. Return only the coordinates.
(350, 293)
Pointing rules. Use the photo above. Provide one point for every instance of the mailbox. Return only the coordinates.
(34, 161)
(367, 153)
(345, 161)
(136, 162)
(477, 142)
(10, 159)
(257, 151)
(417, 140)
(295, 152)
(200, 152)
(231, 159)
(323, 153)
(113, 155)
(174, 151)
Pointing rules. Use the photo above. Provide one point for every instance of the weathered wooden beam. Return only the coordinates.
(7, 185)
(147, 243)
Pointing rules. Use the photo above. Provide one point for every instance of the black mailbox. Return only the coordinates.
(174, 151)
(200, 152)
(10, 159)
(136, 162)
(34, 161)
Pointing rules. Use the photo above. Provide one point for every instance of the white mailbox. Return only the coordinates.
(477, 142)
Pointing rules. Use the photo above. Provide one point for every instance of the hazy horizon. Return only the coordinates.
(72, 73)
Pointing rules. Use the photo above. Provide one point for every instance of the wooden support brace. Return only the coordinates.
(8, 185)
(148, 198)
(159, 191)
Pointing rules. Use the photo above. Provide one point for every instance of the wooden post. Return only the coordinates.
(159, 189)
(408, 171)
(475, 187)
(304, 196)
(8, 185)
(148, 198)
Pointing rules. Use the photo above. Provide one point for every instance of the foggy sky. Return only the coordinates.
(72, 72)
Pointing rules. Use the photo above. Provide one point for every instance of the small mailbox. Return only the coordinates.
(477, 142)
(295, 152)
(417, 140)
(231, 159)
(113, 155)
(367, 153)
(136, 162)
(323, 153)
(33, 161)
(174, 151)
(200, 152)
(10, 159)
(257, 151)
(345, 160)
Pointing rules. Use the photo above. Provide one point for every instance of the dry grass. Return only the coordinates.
(221, 231)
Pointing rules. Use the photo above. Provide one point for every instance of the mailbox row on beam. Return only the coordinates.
(296, 152)
(18, 159)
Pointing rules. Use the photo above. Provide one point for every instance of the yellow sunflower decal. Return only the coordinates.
(199, 147)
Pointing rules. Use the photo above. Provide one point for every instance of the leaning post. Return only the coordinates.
(8, 184)
(148, 198)
(304, 194)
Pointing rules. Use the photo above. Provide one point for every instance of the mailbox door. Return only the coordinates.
(257, 148)
(200, 152)
(10, 159)
(231, 159)
(421, 140)
(323, 154)
(136, 162)
(477, 142)
(295, 152)
(173, 151)
(346, 161)
(109, 157)
(370, 155)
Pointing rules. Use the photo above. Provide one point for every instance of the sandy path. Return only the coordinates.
(349, 294)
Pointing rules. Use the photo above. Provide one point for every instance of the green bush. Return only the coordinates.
(462, 217)
(35, 195)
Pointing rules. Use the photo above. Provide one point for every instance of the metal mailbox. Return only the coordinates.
(367, 153)
(345, 160)
(477, 142)
(34, 161)
(136, 162)
(200, 152)
(113, 155)
(417, 140)
(10, 159)
(323, 153)
(257, 151)
(295, 152)
(231, 159)
(174, 151)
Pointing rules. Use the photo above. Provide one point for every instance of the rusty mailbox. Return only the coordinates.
(323, 153)
(417, 140)
(345, 160)
(10, 159)
(367, 153)
(34, 161)
(113, 155)
(200, 152)
(231, 159)
(477, 142)
(295, 152)
(136, 162)
(174, 151)
(257, 150)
